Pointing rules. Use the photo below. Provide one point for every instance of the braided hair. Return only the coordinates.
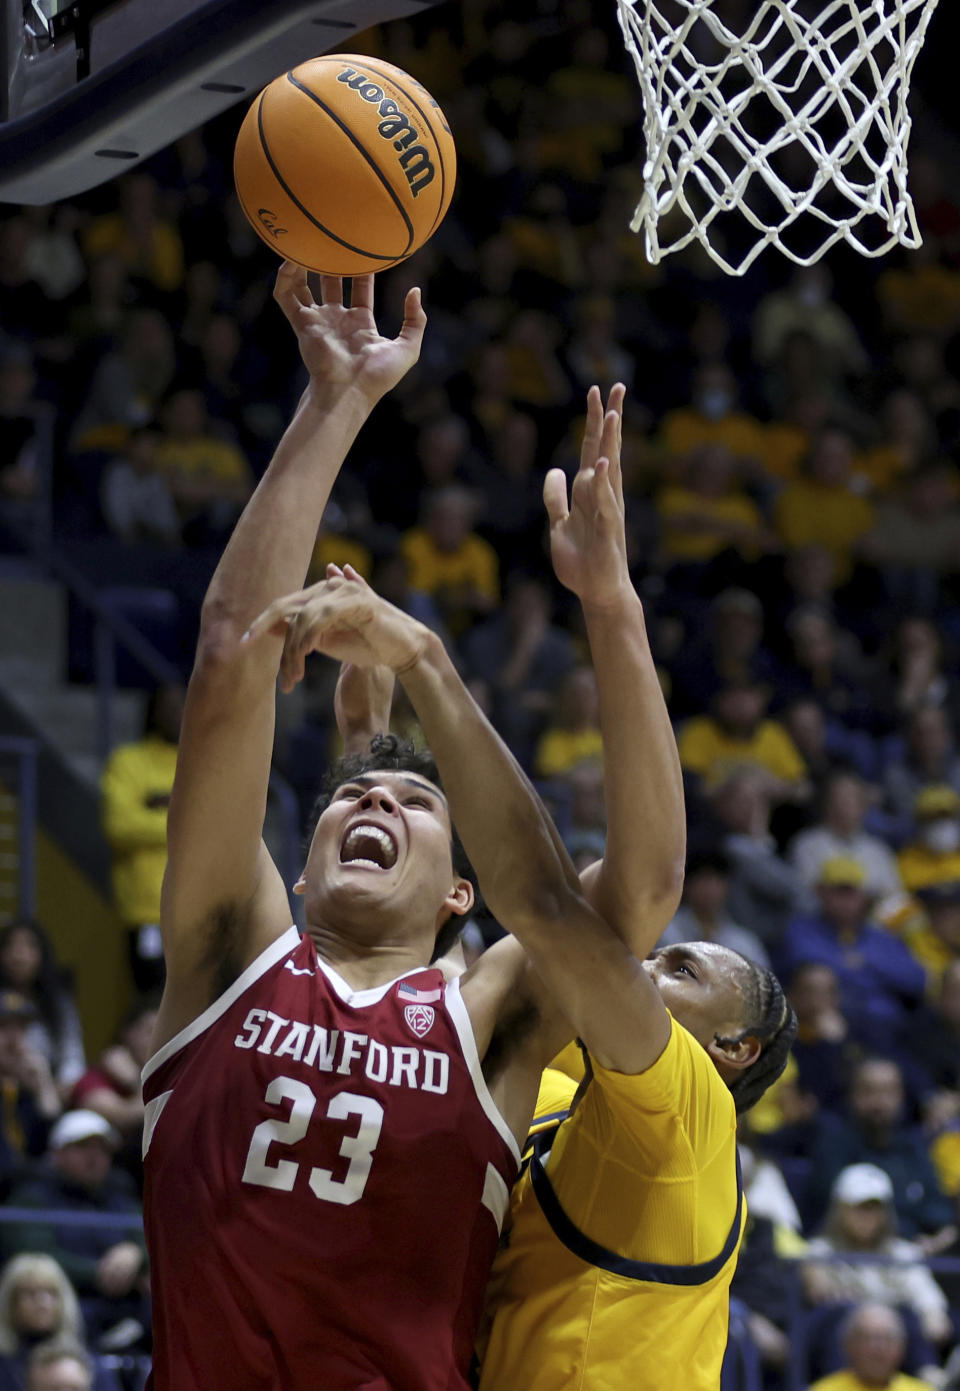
(773, 1022)
(389, 753)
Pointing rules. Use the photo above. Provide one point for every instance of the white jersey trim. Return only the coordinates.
(461, 1022)
(372, 996)
(276, 951)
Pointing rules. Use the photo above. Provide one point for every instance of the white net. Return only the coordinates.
(785, 127)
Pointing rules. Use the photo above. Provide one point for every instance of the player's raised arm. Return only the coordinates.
(524, 873)
(636, 887)
(223, 899)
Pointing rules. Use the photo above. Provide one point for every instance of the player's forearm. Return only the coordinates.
(272, 543)
(637, 887)
(504, 827)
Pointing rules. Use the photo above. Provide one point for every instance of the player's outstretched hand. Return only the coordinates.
(341, 347)
(588, 543)
(343, 618)
(361, 704)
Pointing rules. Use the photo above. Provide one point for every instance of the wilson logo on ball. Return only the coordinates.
(269, 220)
(396, 127)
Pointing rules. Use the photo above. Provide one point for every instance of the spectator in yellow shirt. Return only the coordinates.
(449, 561)
(874, 1344)
(737, 735)
(573, 734)
(135, 788)
(933, 855)
(149, 245)
(822, 507)
(708, 512)
(209, 477)
(713, 418)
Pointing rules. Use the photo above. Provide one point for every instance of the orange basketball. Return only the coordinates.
(345, 165)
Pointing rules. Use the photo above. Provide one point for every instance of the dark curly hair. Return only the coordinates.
(771, 1020)
(388, 753)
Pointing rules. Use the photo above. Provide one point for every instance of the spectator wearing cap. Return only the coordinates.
(703, 915)
(105, 1262)
(861, 1221)
(873, 1131)
(932, 856)
(29, 1100)
(840, 833)
(874, 1341)
(878, 978)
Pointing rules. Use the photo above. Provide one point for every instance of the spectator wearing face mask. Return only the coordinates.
(713, 417)
(932, 856)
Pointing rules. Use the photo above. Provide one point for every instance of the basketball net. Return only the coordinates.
(794, 120)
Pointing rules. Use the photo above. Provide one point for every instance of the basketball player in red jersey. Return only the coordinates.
(330, 1129)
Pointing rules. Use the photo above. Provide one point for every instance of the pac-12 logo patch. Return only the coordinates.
(419, 1018)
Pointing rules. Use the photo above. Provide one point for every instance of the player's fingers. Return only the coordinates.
(414, 318)
(350, 573)
(555, 496)
(274, 619)
(591, 430)
(361, 292)
(331, 289)
(290, 289)
(610, 449)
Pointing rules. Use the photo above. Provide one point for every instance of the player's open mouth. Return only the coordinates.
(369, 846)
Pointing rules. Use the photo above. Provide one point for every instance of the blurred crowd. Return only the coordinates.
(791, 460)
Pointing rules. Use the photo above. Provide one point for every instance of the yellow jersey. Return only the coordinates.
(849, 1381)
(615, 1265)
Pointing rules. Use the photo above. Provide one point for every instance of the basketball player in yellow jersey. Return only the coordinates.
(617, 1256)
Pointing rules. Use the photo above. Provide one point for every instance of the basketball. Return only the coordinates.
(345, 165)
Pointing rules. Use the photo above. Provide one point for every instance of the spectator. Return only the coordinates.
(208, 476)
(933, 933)
(932, 856)
(822, 506)
(823, 1050)
(135, 496)
(135, 787)
(736, 734)
(448, 560)
(585, 823)
(840, 833)
(764, 893)
(918, 673)
(914, 540)
(39, 1309)
(824, 664)
(105, 1263)
(879, 980)
(729, 649)
(713, 419)
(805, 304)
(128, 384)
(703, 916)
(873, 1131)
(524, 659)
(28, 965)
(875, 1342)
(137, 232)
(861, 1220)
(934, 1037)
(930, 756)
(111, 1087)
(573, 732)
(31, 1101)
(705, 515)
(60, 1366)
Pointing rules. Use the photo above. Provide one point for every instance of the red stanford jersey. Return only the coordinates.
(326, 1174)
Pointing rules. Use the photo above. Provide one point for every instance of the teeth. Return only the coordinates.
(358, 841)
